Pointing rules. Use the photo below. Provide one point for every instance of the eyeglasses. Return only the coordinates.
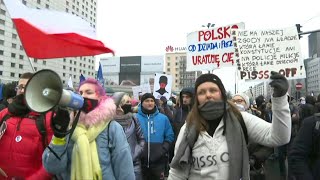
(21, 87)
(237, 100)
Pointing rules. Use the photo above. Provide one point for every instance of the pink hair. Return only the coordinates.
(99, 89)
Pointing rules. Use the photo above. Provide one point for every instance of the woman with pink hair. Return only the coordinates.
(97, 148)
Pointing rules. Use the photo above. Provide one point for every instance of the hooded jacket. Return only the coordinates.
(159, 136)
(182, 111)
(117, 165)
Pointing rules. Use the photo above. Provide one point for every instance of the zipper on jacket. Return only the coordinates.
(148, 140)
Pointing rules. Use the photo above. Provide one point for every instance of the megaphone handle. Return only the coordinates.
(70, 132)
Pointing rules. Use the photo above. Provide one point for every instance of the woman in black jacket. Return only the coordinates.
(132, 129)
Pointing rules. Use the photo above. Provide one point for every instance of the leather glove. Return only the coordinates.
(279, 84)
(60, 122)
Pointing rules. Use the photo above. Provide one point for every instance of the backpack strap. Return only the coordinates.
(40, 123)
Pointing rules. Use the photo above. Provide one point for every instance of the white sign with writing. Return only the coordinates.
(211, 49)
(140, 90)
(258, 52)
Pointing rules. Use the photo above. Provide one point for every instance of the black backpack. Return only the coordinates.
(40, 123)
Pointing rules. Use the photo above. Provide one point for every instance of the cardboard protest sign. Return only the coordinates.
(211, 49)
(140, 90)
(258, 52)
(162, 86)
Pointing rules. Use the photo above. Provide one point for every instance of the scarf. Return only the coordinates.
(237, 147)
(85, 161)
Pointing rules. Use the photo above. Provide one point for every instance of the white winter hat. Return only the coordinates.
(245, 97)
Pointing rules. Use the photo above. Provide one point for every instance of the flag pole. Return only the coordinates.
(31, 64)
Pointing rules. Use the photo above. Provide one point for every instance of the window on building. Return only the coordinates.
(13, 55)
(1, 52)
(70, 68)
(21, 47)
(2, 21)
(67, 3)
(13, 45)
(1, 62)
(44, 62)
(1, 32)
(21, 57)
(74, 69)
(39, 1)
(24, 2)
(2, 11)
(64, 60)
(47, 6)
(64, 67)
(70, 61)
(20, 66)
(12, 74)
(63, 82)
(64, 74)
(74, 76)
(168, 69)
(35, 69)
(35, 60)
(14, 36)
(1, 42)
(75, 62)
(67, 10)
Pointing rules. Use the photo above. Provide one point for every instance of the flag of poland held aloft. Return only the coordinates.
(49, 34)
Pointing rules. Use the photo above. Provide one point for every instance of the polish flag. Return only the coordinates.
(47, 34)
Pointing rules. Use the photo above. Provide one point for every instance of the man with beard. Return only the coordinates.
(22, 144)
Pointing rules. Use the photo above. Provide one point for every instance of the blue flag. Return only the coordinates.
(100, 75)
(82, 78)
(1, 91)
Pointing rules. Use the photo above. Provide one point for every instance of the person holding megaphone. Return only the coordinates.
(97, 148)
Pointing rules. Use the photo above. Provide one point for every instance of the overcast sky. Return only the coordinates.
(144, 27)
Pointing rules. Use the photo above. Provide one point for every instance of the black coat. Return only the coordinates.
(302, 165)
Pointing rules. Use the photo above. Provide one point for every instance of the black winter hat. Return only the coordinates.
(163, 79)
(211, 78)
(260, 100)
(146, 96)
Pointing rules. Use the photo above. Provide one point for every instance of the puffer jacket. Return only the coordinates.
(22, 147)
(133, 131)
(159, 136)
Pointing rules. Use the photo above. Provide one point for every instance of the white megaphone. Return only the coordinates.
(45, 90)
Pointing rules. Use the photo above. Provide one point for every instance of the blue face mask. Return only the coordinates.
(240, 107)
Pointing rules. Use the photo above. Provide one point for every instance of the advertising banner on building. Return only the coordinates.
(258, 52)
(212, 48)
(130, 64)
(110, 64)
(153, 64)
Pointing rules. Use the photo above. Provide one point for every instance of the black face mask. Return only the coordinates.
(212, 110)
(126, 108)
(89, 105)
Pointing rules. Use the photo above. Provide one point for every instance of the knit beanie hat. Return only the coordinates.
(117, 96)
(245, 97)
(260, 100)
(211, 78)
(146, 96)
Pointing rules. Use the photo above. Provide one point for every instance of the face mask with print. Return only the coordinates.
(126, 108)
(89, 105)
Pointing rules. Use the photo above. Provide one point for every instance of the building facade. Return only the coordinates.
(131, 70)
(176, 65)
(13, 59)
(314, 45)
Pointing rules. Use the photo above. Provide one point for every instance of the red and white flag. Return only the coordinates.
(49, 34)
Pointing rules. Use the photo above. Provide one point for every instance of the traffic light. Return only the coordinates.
(299, 30)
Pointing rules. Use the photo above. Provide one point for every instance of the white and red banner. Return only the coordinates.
(211, 48)
(49, 34)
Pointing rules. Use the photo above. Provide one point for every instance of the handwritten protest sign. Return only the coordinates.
(211, 49)
(258, 52)
(140, 90)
